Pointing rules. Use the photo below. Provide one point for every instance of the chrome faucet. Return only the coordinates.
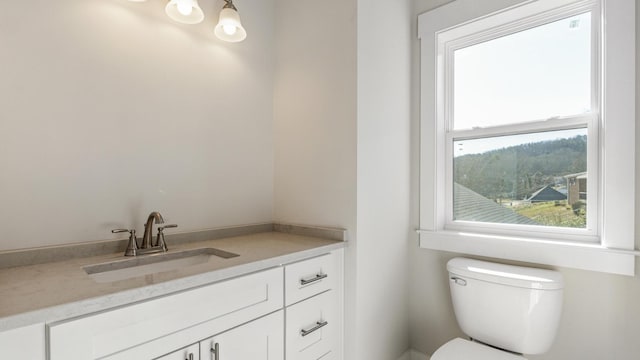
(148, 229)
(147, 247)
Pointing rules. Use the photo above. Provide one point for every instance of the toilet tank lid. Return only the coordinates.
(519, 276)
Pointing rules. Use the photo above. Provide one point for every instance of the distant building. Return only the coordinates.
(576, 187)
(545, 194)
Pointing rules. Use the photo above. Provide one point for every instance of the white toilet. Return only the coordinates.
(506, 310)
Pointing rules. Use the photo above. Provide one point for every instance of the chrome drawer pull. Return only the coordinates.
(318, 277)
(215, 350)
(318, 325)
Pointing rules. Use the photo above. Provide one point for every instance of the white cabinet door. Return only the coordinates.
(261, 339)
(189, 353)
(23, 343)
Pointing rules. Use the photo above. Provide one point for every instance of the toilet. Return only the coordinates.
(507, 311)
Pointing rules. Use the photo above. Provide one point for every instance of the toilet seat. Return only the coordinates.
(461, 349)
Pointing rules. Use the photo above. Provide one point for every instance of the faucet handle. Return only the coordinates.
(132, 247)
(167, 227)
(115, 231)
(160, 237)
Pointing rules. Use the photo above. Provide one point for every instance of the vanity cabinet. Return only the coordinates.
(292, 311)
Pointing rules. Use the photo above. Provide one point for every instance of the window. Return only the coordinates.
(515, 103)
(522, 105)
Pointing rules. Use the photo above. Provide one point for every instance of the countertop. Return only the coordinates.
(62, 290)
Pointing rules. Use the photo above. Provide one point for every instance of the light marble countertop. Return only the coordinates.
(61, 290)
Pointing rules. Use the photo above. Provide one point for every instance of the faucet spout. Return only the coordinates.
(148, 229)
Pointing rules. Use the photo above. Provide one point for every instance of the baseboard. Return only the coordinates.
(413, 355)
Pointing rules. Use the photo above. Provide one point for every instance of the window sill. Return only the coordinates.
(565, 254)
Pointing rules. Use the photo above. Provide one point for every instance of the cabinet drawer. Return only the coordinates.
(312, 327)
(189, 353)
(261, 339)
(156, 327)
(310, 277)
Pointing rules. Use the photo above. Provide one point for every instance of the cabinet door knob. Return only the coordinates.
(215, 350)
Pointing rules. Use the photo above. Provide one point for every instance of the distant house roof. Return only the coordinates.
(471, 206)
(547, 193)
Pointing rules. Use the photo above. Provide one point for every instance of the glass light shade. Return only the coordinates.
(229, 27)
(177, 10)
(185, 7)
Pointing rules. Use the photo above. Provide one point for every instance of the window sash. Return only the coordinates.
(587, 234)
(503, 25)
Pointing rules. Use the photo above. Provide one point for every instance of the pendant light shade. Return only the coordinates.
(185, 11)
(229, 27)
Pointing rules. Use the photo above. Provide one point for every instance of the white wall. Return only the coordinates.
(314, 107)
(601, 317)
(384, 178)
(315, 124)
(316, 147)
(109, 110)
(429, 304)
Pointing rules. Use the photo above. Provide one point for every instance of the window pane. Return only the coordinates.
(534, 179)
(535, 74)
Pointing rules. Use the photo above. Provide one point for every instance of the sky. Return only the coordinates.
(535, 74)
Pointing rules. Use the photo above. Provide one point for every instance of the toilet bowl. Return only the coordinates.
(507, 310)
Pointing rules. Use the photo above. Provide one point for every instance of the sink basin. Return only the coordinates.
(151, 264)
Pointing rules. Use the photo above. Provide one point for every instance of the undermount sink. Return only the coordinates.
(151, 264)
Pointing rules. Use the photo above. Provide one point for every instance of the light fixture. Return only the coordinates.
(185, 11)
(229, 27)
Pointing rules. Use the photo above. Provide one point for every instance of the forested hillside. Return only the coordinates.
(518, 171)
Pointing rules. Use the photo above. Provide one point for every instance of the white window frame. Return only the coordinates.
(467, 35)
(607, 244)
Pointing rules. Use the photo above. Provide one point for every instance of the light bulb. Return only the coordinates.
(184, 11)
(184, 7)
(229, 29)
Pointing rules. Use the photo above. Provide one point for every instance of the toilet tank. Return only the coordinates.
(511, 307)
